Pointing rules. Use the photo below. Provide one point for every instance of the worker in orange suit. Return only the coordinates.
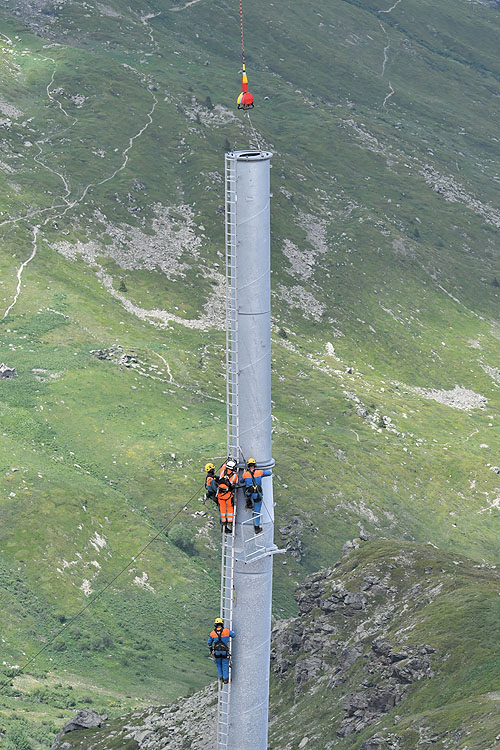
(228, 481)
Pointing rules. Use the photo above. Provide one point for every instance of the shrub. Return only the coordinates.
(182, 538)
(18, 739)
(102, 642)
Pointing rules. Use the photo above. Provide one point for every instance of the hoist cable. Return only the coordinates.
(252, 128)
(242, 37)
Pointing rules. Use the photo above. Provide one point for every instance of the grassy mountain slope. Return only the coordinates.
(385, 297)
(374, 662)
(394, 647)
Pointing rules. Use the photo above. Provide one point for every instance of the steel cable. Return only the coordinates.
(97, 596)
(242, 38)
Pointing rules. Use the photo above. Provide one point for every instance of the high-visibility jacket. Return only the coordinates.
(227, 483)
(219, 642)
(253, 482)
(211, 485)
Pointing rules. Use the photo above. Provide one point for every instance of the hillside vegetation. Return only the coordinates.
(394, 649)
(386, 279)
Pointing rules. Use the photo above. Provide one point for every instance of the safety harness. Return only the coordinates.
(211, 487)
(220, 648)
(255, 489)
(226, 488)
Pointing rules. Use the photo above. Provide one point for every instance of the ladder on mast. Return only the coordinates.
(233, 447)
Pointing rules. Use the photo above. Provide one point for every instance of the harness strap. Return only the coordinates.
(257, 489)
(220, 647)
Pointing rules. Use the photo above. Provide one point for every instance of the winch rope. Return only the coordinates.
(242, 36)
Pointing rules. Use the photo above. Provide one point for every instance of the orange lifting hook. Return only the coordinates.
(245, 99)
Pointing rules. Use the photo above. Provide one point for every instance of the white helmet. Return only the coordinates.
(231, 464)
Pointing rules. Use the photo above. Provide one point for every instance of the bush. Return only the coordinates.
(102, 642)
(18, 739)
(182, 538)
(58, 696)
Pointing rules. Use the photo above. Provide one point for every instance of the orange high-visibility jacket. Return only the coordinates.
(220, 644)
(227, 484)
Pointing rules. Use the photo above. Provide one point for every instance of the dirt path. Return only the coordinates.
(192, 2)
(69, 205)
(21, 269)
(391, 8)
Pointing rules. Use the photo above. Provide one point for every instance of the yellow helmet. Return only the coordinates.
(251, 461)
(209, 467)
(218, 621)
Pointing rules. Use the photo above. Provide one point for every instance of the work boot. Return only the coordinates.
(258, 529)
(229, 528)
(225, 680)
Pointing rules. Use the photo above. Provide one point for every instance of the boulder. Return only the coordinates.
(398, 656)
(369, 581)
(374, 743)
(7, 372)
(383, 700)
(349, 546)
(354, 601)
(349, 656)
(414, 669)
(84, 719)
(306, 669)
(380, 647)
(355, 702)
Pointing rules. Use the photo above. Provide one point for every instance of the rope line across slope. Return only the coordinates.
(98, 595)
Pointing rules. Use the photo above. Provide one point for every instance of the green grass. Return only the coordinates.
(95, 441)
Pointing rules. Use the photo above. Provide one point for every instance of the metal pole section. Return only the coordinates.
(248, 725)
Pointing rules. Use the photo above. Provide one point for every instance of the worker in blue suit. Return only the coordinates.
(218, 643)
(254, 492)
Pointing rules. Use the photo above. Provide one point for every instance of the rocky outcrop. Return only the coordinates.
(340, 639)
(85, 719)
(290, 537)
(393, 671)
(115, 354)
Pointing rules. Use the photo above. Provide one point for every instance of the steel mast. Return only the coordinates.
(246, 594)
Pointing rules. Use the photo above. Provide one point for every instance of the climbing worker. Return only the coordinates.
(227, 483)
(218, 644)
(211, 483)
(252, 478)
